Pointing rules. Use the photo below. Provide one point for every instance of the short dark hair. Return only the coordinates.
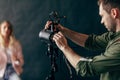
(109, 4)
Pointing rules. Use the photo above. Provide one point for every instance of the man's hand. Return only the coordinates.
(57, 27)
(47, 25)
(60, 40)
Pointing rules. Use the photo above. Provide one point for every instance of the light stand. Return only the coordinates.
(47, 35)
(52, 53)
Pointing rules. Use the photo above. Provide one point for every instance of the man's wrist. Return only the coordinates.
(65, 48)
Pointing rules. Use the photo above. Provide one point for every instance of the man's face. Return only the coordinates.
(107, 19)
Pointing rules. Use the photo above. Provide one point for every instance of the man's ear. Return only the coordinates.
(115, 13)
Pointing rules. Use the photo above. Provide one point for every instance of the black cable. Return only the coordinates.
(69, 67)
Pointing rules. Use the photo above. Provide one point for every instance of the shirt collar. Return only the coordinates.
(116, 34)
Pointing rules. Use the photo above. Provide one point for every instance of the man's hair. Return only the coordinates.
(109, 4)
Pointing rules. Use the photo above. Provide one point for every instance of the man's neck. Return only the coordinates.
(118, 26)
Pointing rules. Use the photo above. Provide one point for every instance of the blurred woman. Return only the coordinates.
(11, 58)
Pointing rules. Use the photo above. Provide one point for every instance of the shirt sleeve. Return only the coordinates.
(109, 61)
(98, 42)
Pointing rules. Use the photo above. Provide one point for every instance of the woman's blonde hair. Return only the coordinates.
(11, 36)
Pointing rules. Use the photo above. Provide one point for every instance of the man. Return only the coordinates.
(108, 63)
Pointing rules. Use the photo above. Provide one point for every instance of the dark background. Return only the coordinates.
(29, 17)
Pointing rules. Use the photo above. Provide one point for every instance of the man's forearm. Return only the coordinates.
(72, 57)
(76, 37)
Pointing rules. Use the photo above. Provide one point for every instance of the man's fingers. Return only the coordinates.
(48, 23)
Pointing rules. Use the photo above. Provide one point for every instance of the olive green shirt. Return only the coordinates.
(108, 63)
